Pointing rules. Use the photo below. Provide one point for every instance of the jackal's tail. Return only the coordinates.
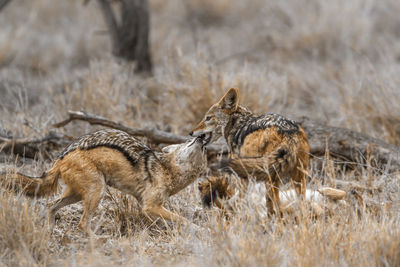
(42, 186)
(213, 188)
(277, 164)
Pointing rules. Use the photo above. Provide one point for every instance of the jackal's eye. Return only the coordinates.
(208, 118)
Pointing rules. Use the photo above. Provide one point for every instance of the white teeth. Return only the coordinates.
(207, 138)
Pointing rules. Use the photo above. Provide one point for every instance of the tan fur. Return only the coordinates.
(33, 186)
(87, 166)
(269, 147)
(214, 189)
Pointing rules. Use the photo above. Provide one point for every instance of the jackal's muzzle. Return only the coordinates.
(204, 139)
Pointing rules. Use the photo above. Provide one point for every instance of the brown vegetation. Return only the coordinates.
(336, 62)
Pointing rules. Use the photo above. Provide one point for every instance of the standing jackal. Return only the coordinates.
(270, 147)
(114, 158)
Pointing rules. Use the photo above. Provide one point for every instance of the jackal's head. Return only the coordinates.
(188, 158)
(217, 116)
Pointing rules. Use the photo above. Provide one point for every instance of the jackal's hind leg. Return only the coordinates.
(68, 199)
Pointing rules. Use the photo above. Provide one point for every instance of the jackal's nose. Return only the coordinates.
(191, 133)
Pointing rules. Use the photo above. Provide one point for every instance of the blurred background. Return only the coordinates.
(334, 61)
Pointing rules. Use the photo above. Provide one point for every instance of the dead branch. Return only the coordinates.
(342, 143)
(152, 134)
(350, 145)
(350, 185)
(29, 147)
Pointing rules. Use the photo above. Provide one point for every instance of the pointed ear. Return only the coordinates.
(230, 100)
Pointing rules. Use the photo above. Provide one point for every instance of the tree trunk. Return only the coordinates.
(3, 3)
(130, 35)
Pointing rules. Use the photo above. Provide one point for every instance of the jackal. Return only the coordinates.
(269, 147)
(116, 159)
(214, 190)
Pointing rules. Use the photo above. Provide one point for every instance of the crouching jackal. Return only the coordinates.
(270, 147)
(114, 158)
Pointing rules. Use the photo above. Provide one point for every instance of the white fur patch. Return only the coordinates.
(170, 148)
(255, 198)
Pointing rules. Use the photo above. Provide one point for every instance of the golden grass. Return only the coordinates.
(354, 235)
(334, 61)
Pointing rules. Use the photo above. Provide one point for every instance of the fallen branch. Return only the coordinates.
(154, 135)
(345, 144)
(342, 143)
(350, 185)
(29, 147)
(350, 145)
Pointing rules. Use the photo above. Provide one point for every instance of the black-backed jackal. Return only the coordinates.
(116, 159)
(270, 147)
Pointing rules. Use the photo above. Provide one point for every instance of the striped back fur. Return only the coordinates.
(131, 147)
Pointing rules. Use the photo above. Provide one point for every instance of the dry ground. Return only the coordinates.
(335, 61)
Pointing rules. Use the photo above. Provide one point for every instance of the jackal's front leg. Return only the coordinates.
(272, 197)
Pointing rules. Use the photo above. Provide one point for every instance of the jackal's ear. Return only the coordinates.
(230, 100)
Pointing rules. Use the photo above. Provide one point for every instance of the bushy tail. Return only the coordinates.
(277, 164)
(213, 188)
(42, 186)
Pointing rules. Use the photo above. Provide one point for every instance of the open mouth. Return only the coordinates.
(205, 138)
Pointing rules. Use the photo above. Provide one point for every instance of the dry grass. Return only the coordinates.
(334, 61)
